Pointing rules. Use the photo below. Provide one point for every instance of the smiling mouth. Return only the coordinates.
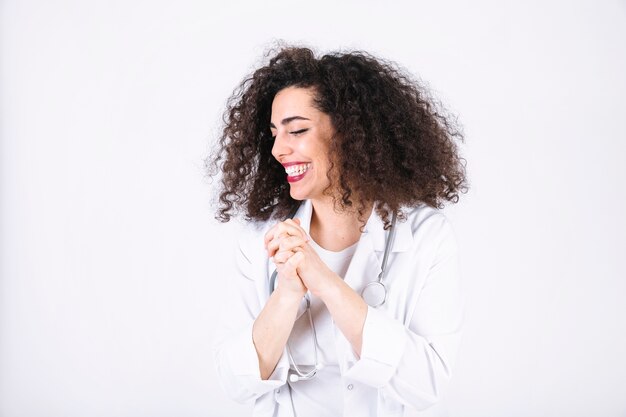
(297, 170)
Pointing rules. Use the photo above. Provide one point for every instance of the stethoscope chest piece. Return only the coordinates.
(374, 294)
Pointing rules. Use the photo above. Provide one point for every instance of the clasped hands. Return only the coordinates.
(299, 267)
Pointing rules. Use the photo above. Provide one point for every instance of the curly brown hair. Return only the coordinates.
(393, 146)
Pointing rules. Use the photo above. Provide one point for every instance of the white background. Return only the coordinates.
(112, 265)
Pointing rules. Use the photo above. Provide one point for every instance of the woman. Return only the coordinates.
(347, 300)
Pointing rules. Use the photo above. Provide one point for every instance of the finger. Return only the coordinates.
(275, 231)
(295, 224)
(282, 256)
(288, 268)
(289, 227)
(295, 260)
(269, 235)
(284, 243)
(274, 244)
(291, 242)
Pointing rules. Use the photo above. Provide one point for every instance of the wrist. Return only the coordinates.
(329, 287)
(288, 297)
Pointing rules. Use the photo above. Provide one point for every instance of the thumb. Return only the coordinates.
(295, 259)
(297, 220)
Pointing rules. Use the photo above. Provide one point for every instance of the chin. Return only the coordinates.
(300, 193)
(298, 196)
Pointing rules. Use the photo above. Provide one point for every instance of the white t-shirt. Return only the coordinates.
(322, 395)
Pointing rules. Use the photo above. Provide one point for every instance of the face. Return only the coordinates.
(301, 141)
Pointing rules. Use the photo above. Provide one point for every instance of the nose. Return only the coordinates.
(281, 146)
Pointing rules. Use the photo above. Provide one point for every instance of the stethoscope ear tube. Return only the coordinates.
(388, 243)
(273, 281)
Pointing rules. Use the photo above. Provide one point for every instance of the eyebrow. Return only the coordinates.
(288, 120)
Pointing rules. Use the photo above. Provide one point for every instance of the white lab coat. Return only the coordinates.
(409, 343)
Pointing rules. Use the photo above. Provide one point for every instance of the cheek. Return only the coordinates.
(323, 157)
(321, 154)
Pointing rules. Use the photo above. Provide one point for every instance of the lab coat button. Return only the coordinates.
(350, 386)
(278, 391)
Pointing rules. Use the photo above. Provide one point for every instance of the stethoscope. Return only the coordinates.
(374, 294)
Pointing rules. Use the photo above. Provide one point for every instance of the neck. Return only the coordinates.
(334, 230)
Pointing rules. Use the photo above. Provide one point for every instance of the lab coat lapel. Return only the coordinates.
(366, 262)
(304, 213)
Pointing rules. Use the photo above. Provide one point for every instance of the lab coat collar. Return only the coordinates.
(374, 230)
(304, 213)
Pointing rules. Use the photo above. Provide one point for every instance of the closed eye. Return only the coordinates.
(297, 132)
(293, 132)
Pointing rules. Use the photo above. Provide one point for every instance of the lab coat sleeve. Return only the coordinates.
(412, 363)
(234, 353)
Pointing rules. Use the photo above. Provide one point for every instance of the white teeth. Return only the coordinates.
(297, 169)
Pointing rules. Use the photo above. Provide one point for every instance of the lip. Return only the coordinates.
(297, 177)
